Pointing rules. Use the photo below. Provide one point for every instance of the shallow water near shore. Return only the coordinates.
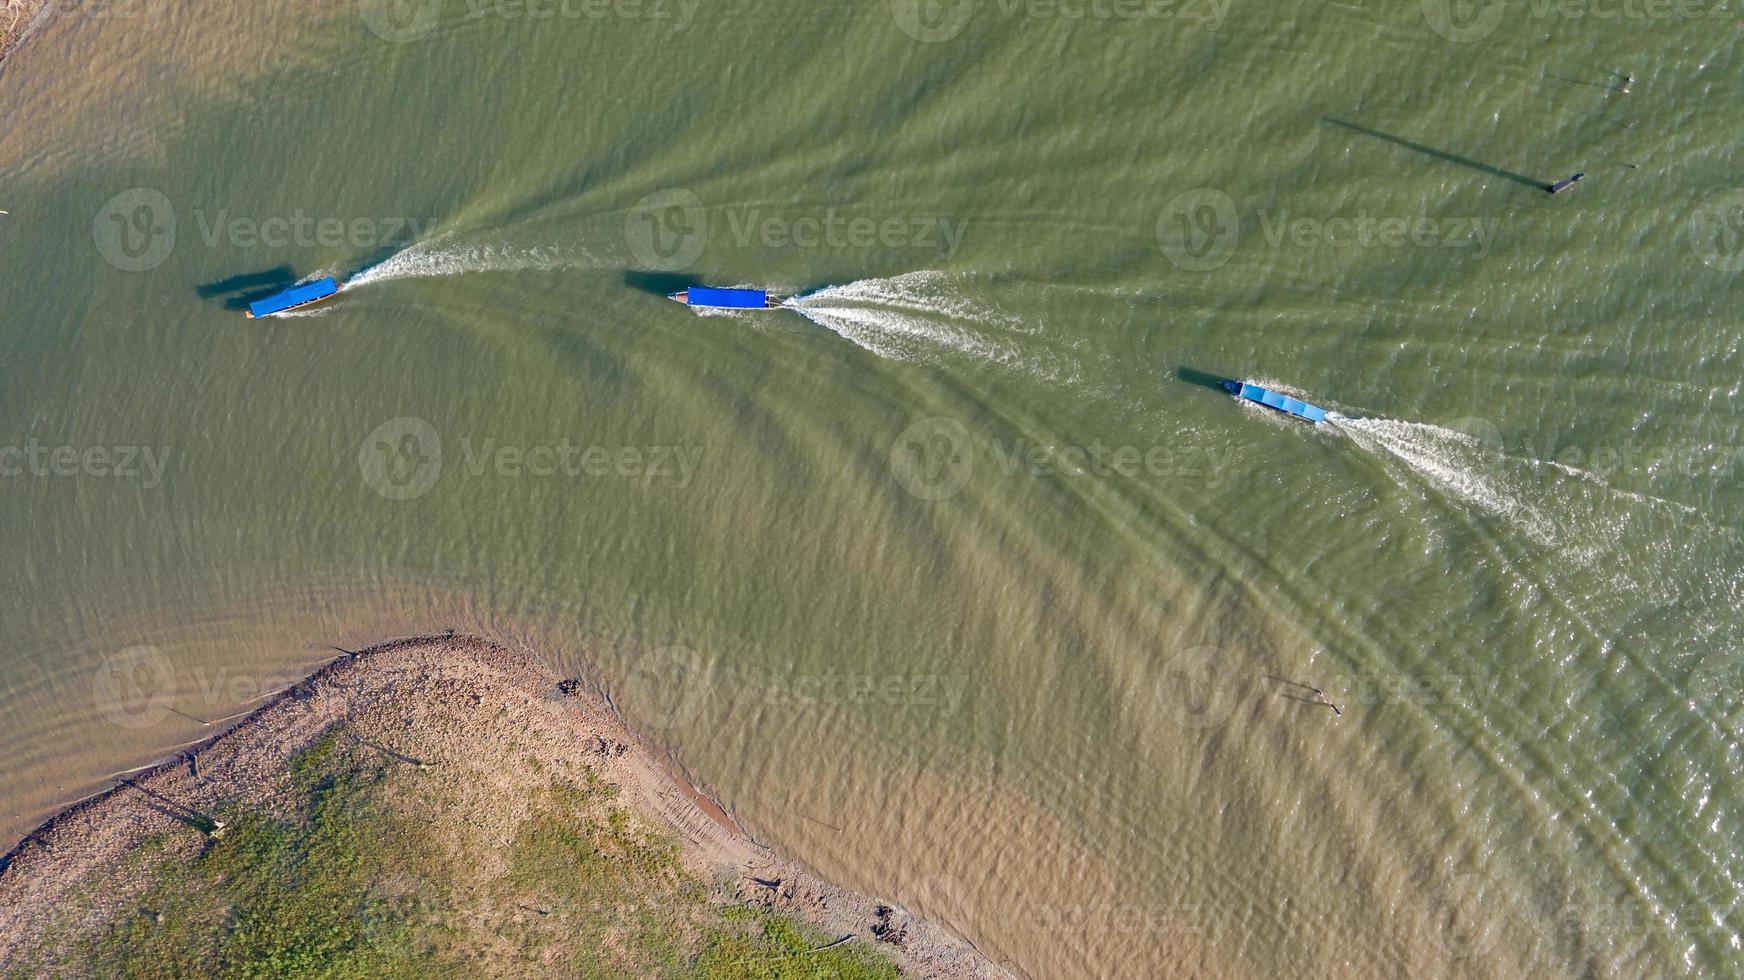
(955, 577)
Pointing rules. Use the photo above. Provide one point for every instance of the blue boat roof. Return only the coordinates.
(737, 299)
(1281, 402)
(294, 296)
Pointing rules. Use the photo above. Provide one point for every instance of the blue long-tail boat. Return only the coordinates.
(303, 294)
(1295, 408)
(725, 299)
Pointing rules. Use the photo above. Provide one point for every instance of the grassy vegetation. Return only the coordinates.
(15, 15)
(303, 894)
(351, 878)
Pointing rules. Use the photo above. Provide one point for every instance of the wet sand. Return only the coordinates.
(465, 713)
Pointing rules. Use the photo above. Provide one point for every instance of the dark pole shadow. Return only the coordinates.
(1576, 81)
(173, 809)
(1442, 155)
(397, 756)
(1289, 683)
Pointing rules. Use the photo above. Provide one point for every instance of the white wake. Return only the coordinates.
(918, 317)
(440, 257)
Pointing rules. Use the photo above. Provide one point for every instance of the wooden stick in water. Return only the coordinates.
(1566, 183)
(1328, 702)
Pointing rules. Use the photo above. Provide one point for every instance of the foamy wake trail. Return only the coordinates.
(1455, 462)
(915, 317)
(438, 258)
(1628, 540)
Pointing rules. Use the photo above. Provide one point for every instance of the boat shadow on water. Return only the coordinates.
(1195, 377)
(661, 284)
(664, 284)
(236, 292)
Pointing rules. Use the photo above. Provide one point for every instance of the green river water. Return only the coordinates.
(957, 578)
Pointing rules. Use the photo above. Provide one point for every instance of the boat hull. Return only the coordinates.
(1277, 402)
(725, 299)
(297, 297)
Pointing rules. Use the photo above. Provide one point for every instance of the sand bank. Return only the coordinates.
(472, 739)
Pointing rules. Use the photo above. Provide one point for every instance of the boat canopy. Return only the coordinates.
(1283, 403)
(735, 299)
(307, 292)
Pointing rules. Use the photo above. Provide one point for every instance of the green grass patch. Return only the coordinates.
(349, 877)
(295, 895)
(775, 948)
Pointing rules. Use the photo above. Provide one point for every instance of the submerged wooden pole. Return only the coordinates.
(1566, 183)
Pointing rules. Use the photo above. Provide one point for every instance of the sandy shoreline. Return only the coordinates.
(462, 713)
